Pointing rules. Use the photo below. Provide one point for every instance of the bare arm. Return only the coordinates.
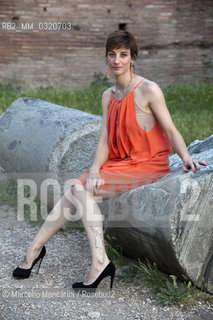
(159, 108)
(102, 150)
(93, 180)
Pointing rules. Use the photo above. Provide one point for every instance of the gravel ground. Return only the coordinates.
(49, 294)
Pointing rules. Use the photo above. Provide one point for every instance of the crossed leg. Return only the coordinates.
(76, 197)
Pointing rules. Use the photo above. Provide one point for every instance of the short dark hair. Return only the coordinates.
(121, 38)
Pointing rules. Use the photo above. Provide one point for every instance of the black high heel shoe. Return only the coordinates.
(108, 271)
(25, 273)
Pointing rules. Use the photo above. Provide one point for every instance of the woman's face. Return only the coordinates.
(119, 60)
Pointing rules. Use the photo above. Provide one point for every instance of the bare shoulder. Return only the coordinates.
(149, 88)
(106, 95)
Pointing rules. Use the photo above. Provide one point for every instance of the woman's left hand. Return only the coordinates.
(192, 164)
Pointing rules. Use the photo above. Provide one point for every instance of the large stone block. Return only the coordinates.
(40, 140)
(170, 221)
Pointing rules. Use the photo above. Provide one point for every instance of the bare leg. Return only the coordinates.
(93, 227)
(93, 224)
(55, 220)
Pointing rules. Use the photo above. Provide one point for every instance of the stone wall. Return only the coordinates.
(174, 39)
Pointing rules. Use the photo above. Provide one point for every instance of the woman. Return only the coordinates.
(136, 138)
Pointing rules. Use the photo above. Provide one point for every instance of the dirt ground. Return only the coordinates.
(49, 294)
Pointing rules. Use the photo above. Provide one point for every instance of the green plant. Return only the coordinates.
(170, 292)
(99, 78)
(128, 273)
(128, 270)
(114, 253)
(168, 289)
(153, 276)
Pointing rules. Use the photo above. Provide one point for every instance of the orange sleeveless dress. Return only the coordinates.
(136, 157)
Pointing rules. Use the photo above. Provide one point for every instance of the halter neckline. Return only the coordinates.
(129, 92)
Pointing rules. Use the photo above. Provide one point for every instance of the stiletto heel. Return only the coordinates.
(112, 279)
(108, 271)
(25, 273)
(39, 266)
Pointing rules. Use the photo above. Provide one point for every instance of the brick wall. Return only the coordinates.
(174, 39)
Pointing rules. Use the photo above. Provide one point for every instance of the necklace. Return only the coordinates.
(123, 91)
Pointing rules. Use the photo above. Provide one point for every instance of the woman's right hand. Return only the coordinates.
(93, 181)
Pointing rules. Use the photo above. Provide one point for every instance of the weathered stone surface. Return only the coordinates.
(39, 140)
(170, 221)
(43, 136)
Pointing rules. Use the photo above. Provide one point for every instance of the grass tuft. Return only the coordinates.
(168, 289)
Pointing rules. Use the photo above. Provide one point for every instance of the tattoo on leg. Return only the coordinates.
(24, 260)
(99, 241)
